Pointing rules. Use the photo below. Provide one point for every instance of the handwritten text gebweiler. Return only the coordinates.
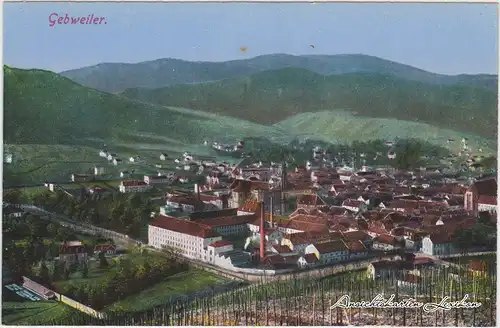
(56, 18)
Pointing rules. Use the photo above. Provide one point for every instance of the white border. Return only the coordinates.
(256, 1)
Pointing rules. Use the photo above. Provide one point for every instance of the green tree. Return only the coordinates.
(56, 271)
(67, 272)
(44, 273)
(85, 270)
(14, 196)
(103, 262)
(52, 229)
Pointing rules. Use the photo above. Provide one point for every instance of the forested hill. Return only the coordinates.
(272, 96)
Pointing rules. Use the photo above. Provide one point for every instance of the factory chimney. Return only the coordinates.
(271, 209)
(262, 234)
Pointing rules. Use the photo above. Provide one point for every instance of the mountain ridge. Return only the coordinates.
(41, 107)
(163, 72)
(271, 96)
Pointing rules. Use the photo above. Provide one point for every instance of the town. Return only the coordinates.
(203, 172)
(255, 219)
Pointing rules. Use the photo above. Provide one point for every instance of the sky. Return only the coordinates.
(441, 38)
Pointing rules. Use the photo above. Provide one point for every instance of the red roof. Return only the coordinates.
(282, 249)
(487, 200)
(221, 243)
(331, 246)
(104, 248)
(486, 187)
(310, 200)
(356, 246)
(184, 226)
(310, 258)
(352, 203)
(250, 206)
(385, 239)
(225, 221)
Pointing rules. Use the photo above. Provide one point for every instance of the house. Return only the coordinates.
(298, 242)
(438, 244)
(7, 158)
(220, 246)
(134, 186)
(124, 174)
(105, 248)
(186, 204)
(282, 250)
(163, 157)
(307, 261)
(382, 269)
(401, 205)
(73, 252)
(360, 235)
(104, 153)
(98, 170)
(329, 252)
(12, 211)
(117, 161)
(354, 205)
(384, 242)
(111, 156)
(183, 179)
(97, 190)
(156, 179)
(310, 201)
(81, 177)
(482, 196)
(356, 249)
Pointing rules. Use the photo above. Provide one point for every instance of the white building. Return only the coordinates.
(116, 161)
(98, 170)
(7, 158)
(156, 179)
(190, 238)
(329, 252)
(438, 244)
(134, 186)
(163, 157)
(103, 153)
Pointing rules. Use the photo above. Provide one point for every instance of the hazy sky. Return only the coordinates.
(443, 38)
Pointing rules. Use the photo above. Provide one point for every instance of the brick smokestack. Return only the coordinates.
(271, 205)
(262, 234)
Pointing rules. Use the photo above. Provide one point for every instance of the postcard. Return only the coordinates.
(250, 164)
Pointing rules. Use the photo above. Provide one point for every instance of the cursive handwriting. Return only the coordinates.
(409, 303)
(55, 18)
(445, 305)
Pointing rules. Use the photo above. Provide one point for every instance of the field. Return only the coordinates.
(29, 313)
(345, 127)
(179, 284)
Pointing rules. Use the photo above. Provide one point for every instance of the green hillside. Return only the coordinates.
(41, 107)
(273, 96)
(116, 77)
(342, 127)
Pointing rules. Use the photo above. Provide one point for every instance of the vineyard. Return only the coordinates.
(308, 301)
